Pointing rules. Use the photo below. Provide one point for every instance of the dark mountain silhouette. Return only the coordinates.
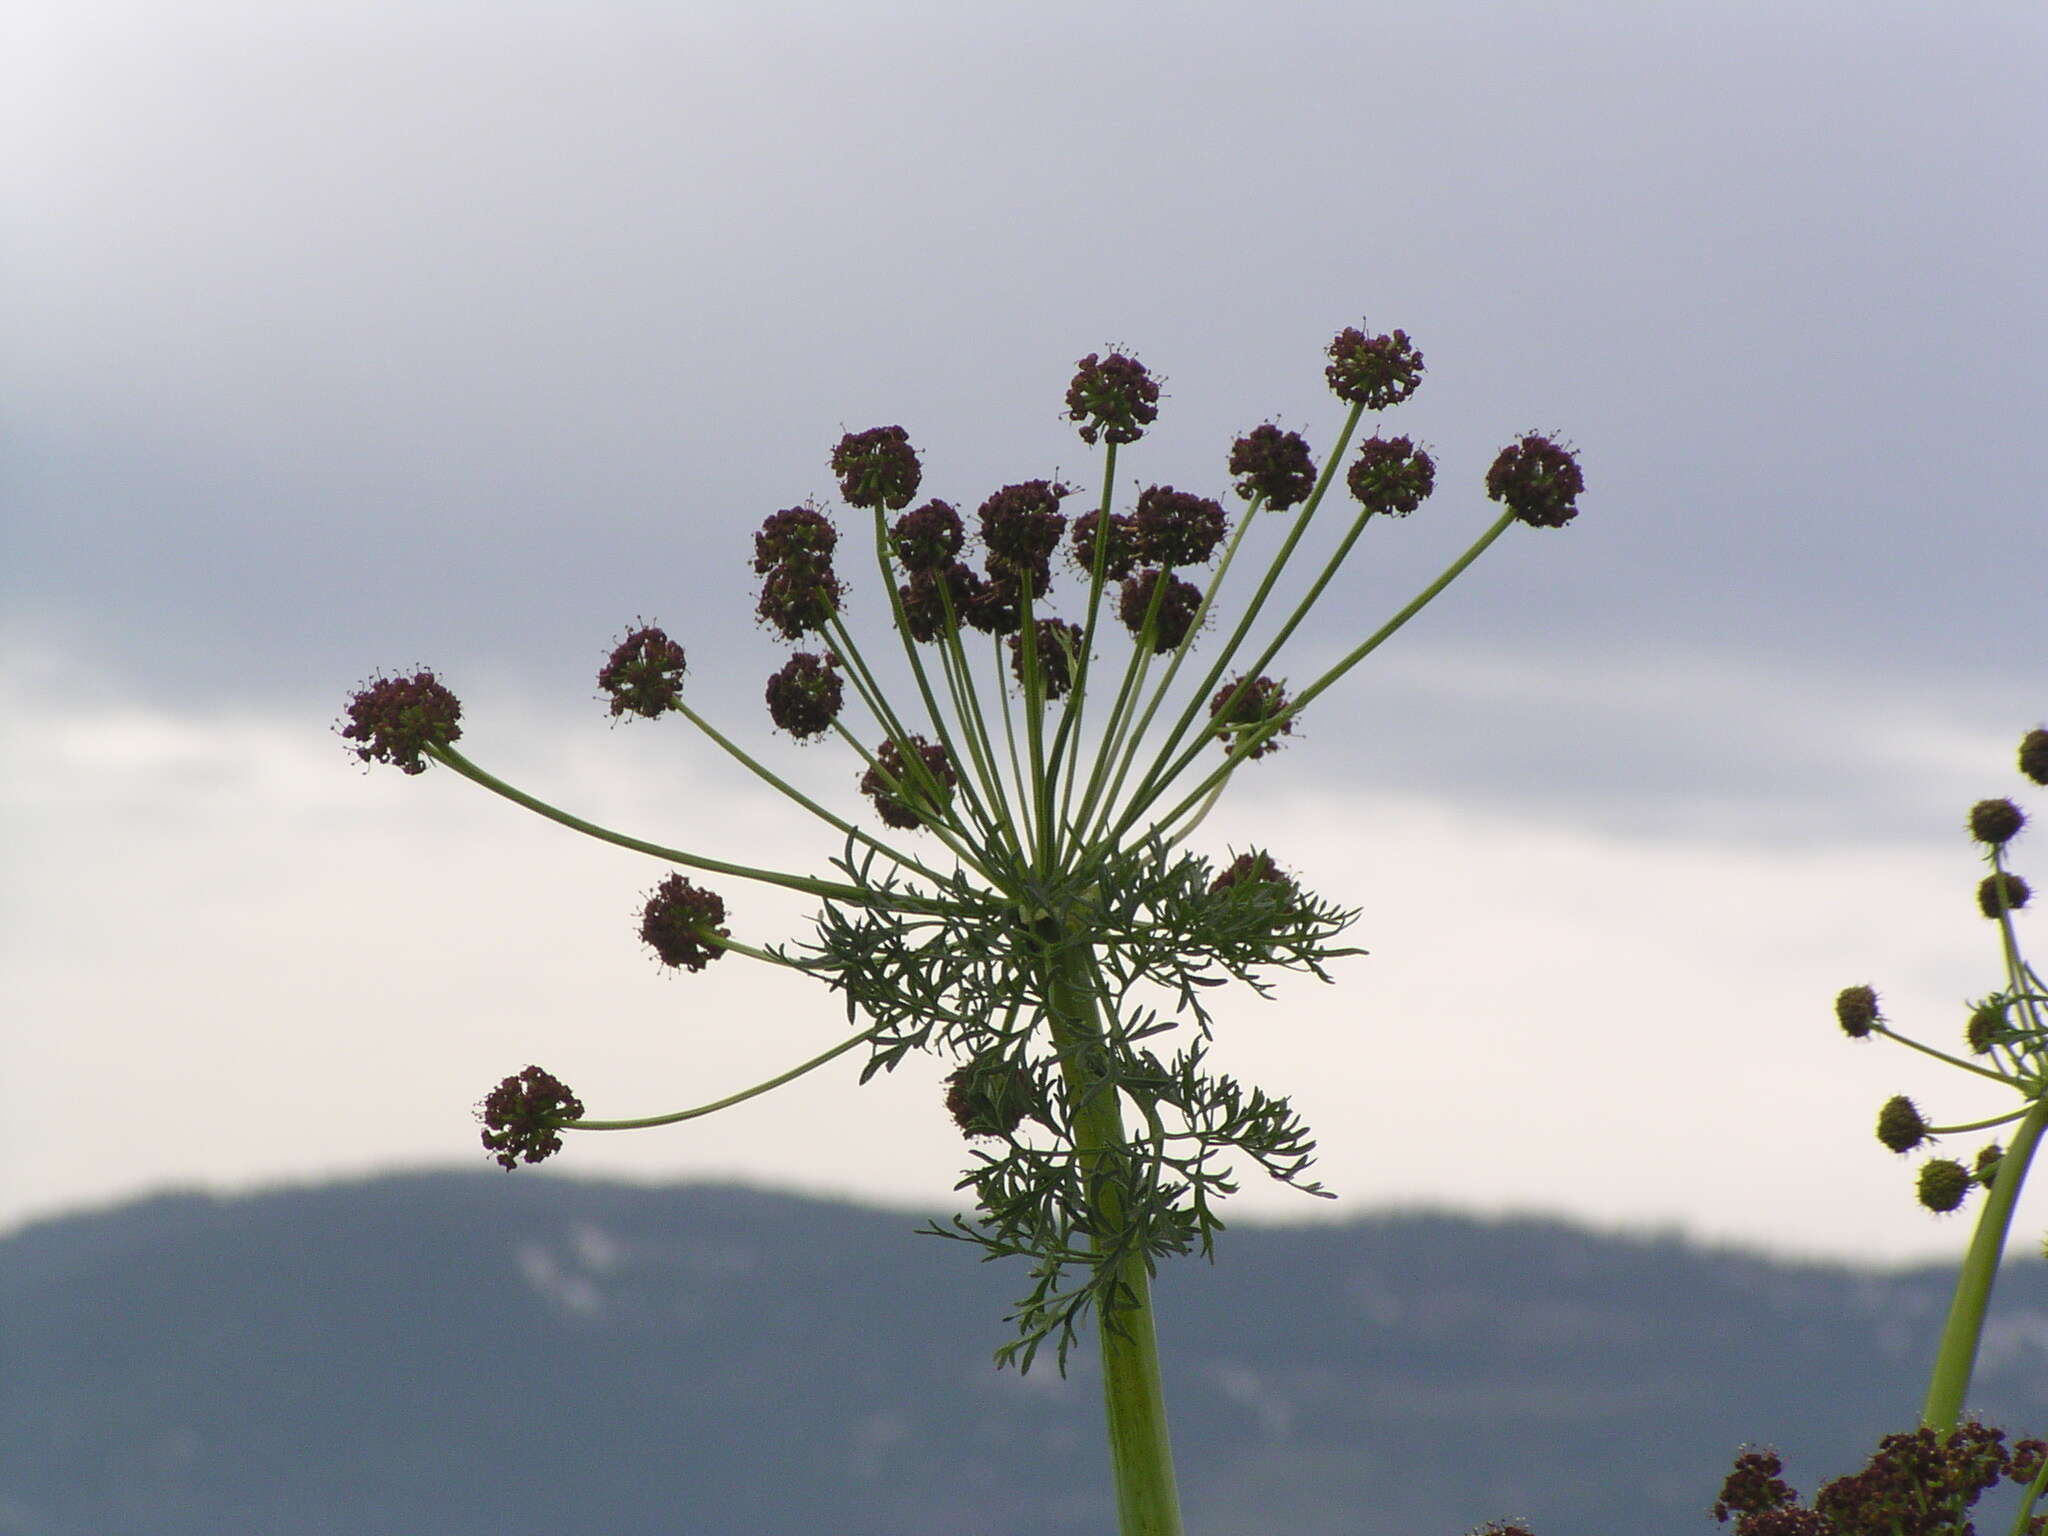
(481, 1355)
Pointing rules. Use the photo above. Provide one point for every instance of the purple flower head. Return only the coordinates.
(1275, 465)
(804, 698)
(794, 535)
(906, 797)
(1373, 371)
(1244, 708)
(989, 1100)
(935, 601)
(1112, 397)
(644, 675)
(1057, 647)
(1392, 476)
(929, 538)
(397, 719)
(1172, 610)
(1175, 528)
(996, 606)
(1539, 481)
(680, 924)
(1254, 870)
(1754, 1486)
(1120, 544)
(522, 1114)
(798, 597)
(877, 468)
(1021, 527)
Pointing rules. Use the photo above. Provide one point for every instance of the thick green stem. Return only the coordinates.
(1133, 1395)
(1957, 1358)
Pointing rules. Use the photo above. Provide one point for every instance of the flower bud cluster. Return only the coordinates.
(680, 923)
(1251, 707)
(877, 468)
(805, 697)
(397, 719)
(906, 794)
(1539, 481)
(522, 1116)
(2005, 1027)
(793, 556)
(1275, 465)
(644, 674)
(1114, 398)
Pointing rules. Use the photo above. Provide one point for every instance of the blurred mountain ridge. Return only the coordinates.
(455, 1354)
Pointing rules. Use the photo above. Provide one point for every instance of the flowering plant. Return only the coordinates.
(1031, 907)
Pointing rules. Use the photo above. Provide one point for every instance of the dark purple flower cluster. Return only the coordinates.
(680, 924)
(1248, 706)
(1539, 480)
(1275, 465)
(1373, 371)
(522, 1115)
(795, 534)
(1057, 647)
(805, 697)
(877, 468)
(929, 538)
(1391, 476)
(1174, 528)
(988, 1101)
(907, 796)
(1112, 397)
(1118, 541)
(397, 719)
(793, 556)
(1921, 1484)
(644, 674)
(1020, 528)
(1255, 871)
(937, 600)
(1158, 605)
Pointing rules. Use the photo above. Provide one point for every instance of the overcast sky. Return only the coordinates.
(347, 336)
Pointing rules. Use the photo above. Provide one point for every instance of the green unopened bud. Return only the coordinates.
(1900, 1125)
(1987, 1163)
(1944, 1183)
(1996, 821)
(2034, 756)
(1986, 1026)
(2001, 892)
(1856, 1011)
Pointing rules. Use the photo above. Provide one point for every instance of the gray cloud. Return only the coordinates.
(359, 334)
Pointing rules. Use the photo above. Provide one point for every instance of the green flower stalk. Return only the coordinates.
(1926, 1482)
(2006, 1035)
(1929, 1480)
(1023, 898)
